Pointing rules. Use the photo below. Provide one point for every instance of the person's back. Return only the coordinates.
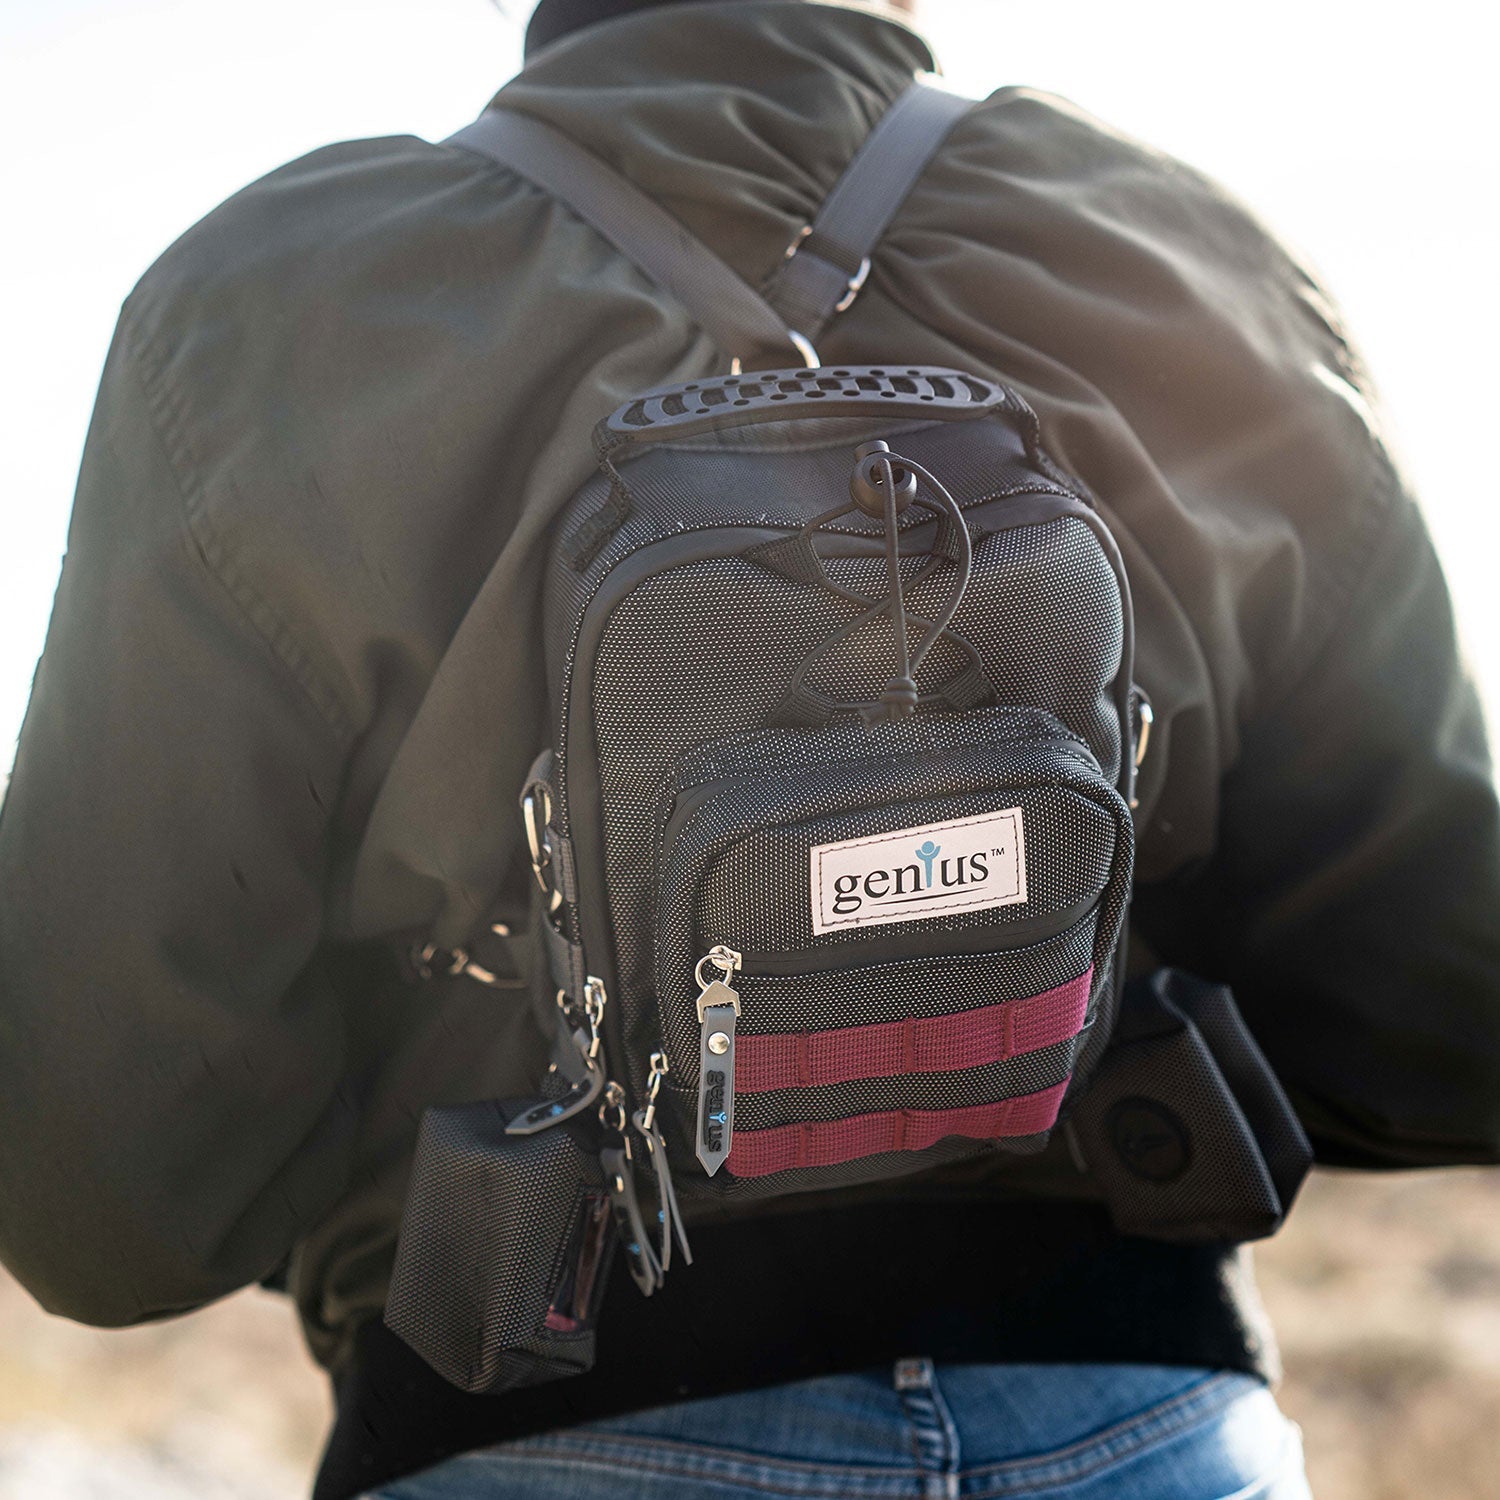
(293, 685)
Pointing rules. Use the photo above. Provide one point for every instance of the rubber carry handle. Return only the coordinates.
(683, 411)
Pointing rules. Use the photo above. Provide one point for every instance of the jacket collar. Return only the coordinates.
(738, 116)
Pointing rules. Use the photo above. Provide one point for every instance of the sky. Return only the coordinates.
(1364, 134)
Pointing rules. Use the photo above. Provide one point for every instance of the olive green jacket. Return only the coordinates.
(292, 679)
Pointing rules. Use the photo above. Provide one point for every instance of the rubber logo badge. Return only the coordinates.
(964, 865)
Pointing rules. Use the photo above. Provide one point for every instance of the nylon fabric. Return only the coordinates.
(485, 1219)
(897, 989)
(759, 1153)
(970, 1081)
(737, 317)
(934, 1045)
(822, 269)
(669, 636)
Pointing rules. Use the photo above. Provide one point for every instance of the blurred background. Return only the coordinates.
(1364, 134)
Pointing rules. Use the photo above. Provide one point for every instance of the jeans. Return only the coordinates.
(960, 1432)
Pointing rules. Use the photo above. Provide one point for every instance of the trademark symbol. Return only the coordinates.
(997, 853)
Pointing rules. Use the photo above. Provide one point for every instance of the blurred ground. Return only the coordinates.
(1386, 1292)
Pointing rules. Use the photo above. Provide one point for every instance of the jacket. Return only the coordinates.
(291, 683)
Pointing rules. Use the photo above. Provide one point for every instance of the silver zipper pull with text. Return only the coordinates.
(718, 1011)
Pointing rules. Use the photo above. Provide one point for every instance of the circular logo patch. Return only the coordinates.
(1152, 1142)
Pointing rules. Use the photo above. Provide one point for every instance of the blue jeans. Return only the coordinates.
(960, 1432)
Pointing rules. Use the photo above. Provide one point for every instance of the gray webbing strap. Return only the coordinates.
(725, 306)
(827, 266)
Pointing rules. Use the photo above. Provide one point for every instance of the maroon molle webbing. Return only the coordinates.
(929, 1044)
(827, 1143)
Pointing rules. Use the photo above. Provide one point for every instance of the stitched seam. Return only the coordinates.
(761, 1478)
(169, 423)
(1177, 1414)
(617, 1446)
(605, 1445)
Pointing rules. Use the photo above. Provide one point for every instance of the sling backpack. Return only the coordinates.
(832, 838)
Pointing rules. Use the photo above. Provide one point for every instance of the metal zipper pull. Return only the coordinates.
(668, 1215)
(587, 1034)
(619, 1181)
(718, 1010)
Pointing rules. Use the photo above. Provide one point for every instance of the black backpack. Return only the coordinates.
(833, 840)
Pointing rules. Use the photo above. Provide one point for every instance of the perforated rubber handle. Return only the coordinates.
(682, 411)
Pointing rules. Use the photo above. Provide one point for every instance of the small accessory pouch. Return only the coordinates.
(879, 947)
(505, 1247)
(1184, 1125)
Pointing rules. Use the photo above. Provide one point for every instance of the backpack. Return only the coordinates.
(833, 839)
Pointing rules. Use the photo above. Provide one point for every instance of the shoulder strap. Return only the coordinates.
(728, 309)
(825, 267)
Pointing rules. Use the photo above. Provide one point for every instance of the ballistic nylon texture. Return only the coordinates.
(482, 1236)
(704, 1198)
(915, 1044)
(737, 872)
(761, 477)
(686, 642)
(1206, 1144)
(809, 1145)
(1070, 843)
(939, 985)
(1026, 1074)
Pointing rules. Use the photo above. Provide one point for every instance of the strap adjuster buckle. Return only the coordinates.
(856, 285)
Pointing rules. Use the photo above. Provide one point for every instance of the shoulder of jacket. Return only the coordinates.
(313, 338)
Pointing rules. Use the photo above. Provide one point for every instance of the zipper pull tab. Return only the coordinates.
(718, 1010)
(668, 1215)
(587, 1034)
(619, 1181)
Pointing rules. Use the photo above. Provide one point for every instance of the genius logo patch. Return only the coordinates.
(964, 865)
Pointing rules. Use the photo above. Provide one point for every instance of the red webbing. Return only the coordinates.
(929, 1044)
(827, 1143)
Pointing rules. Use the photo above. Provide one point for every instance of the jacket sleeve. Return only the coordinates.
(1354, 899)
(172, 1106)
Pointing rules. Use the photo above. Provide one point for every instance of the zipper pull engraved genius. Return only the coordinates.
(718, 1010)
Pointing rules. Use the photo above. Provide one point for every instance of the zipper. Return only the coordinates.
(720, 1006)
(719, 539)
(964, 943)
(687, 798)
(718, 1011)
(591, 908)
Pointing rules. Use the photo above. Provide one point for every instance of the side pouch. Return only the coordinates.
(506, 1242)
(1184, 1126)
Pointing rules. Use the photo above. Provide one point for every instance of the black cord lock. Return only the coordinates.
(879, 474)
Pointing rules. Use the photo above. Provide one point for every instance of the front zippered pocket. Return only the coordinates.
(921, 915)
